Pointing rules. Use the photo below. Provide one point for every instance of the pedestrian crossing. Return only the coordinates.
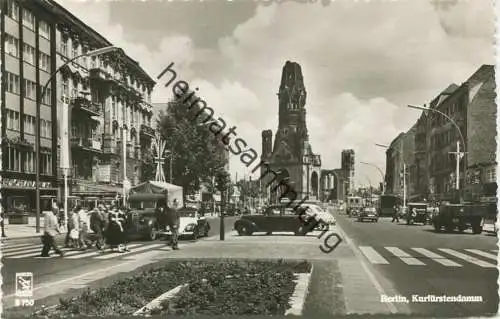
(30, 250)
(427, 256)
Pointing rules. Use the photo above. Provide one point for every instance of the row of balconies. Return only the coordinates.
(103, 74)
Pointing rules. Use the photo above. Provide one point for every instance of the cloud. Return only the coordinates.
(362, 63)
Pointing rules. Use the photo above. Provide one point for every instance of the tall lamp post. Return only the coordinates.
(381, 174)
(458, 153)
(65, 147)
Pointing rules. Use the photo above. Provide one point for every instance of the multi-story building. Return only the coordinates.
(481, 134)
(393, 166)
(432, 165)
(107, 98)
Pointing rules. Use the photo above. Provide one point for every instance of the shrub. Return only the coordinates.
(266, 290)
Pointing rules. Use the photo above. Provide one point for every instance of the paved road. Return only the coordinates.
(20, 255)
(419, 261)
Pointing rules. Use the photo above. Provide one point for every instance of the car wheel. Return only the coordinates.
(153, 232)
(300, 231)
(449, 228)
(437, 227)
(477, 229)
(244, 231)
(269, 233)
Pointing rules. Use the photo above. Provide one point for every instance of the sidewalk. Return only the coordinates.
(15, 231)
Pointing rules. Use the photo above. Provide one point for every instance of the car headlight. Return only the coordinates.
(190, 227)
(142, 220)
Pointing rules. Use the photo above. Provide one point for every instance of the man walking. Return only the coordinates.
(173, 221)
(51, 228)
(395, 214)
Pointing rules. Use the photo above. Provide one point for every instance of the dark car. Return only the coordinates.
(142, 216)
(275, 218)
(368, 213)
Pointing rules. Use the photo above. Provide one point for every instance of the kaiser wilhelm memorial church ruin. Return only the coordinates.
(292, 156)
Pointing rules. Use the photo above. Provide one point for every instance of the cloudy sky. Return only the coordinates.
(362, 61)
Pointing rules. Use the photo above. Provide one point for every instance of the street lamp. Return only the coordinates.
(458, 153)
(37, 135)
(381, 174)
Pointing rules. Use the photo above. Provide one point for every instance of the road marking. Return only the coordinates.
(468, 258)
(406, 258)
(17, 246)
(373, 256)
(482, 253)
(437, 258)
(130, 252)
(30, 253)
(20, 250)
(99, 252)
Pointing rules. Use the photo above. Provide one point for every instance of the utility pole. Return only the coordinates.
(458, 155)
(404, 187)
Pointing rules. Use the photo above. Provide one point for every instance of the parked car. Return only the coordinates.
(417, 213)
(142, 218)
(192, 224)
(368, 213)
(275, 218)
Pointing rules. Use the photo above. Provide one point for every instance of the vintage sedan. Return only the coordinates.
(276, 218)
(368, 213)
(142, 219)
(192, 224)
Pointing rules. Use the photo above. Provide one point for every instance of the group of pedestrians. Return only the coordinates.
(101, 226)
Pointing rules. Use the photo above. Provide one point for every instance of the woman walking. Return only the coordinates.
(115, 234)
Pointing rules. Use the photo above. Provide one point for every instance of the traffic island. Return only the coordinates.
(190, 288)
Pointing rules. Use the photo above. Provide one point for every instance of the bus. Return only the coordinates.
(387, 203)
(354, 203)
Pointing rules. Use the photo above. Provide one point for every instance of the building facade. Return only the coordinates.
(292, 155)
(106, 99)
(432, 164)
(481, 134)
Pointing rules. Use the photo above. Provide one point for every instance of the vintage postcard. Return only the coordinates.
(311, 158)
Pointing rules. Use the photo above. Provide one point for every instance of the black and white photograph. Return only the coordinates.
(241, 158)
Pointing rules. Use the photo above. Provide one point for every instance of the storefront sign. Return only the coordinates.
(20, 183)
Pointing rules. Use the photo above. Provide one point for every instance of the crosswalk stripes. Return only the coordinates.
(405, 257)
(422, 254)
(482, 253)
(98, 252)
(30, 250)
(373, 256)
(468, 258)
(131, 252)
(437, 258)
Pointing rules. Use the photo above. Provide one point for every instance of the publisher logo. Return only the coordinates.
(24, 284)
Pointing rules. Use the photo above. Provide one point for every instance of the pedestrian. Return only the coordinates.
(83, 228)
(97, 223)
(115, 231)
(123, 218)
(173, 221)
(2, 223)
(51, 228)
(395, 214)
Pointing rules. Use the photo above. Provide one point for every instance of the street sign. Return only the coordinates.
(24, 284)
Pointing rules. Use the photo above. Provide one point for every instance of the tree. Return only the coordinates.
(148, 167)
(196, 153)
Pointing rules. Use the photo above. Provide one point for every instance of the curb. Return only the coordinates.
(298, 298)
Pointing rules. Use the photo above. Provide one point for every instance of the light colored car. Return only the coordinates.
(321, 215)
(191, 224)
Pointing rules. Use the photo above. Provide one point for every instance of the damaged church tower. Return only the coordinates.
(292, 155)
